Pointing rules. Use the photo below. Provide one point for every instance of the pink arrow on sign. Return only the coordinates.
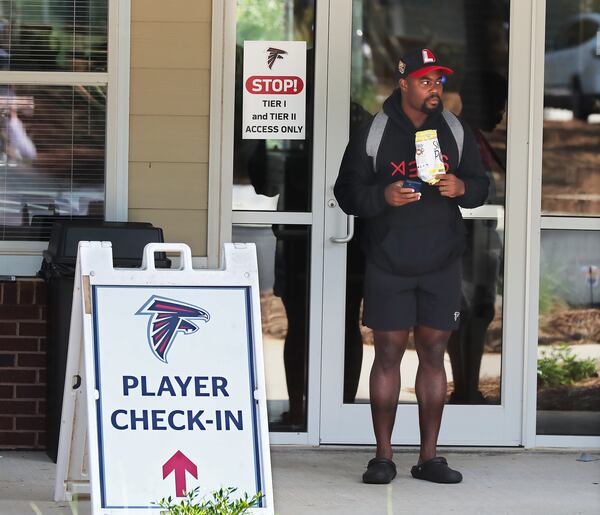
(179, 463)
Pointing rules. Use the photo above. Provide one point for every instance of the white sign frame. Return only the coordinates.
(79, 466)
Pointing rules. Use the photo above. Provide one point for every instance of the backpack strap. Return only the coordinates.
(380, 121)
(375, 134)
(457, 129)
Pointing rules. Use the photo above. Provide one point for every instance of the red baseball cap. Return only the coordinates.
(417, 63)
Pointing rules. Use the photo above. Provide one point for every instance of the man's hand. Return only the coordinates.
(396, 195)
(450, 186)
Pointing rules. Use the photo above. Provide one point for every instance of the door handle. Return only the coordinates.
(349, 231)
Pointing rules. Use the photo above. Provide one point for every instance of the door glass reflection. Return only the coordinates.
(568, 387)
(571, 168)
(273, 174)
(472, 38)
(283, 253)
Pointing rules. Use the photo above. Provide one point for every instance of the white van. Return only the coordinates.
(572, 66)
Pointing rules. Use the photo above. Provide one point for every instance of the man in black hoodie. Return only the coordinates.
(413, 242)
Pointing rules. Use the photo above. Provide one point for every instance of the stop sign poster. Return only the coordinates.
(175, 378)
(274, 90)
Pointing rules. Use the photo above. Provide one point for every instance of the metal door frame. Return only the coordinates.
(536, 223)
(514, 420)
(462, 425)
(221, 216)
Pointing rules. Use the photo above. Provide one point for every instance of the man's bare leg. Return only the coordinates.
(384, 386)
(431, 386)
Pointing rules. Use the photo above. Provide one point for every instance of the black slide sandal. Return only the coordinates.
(380, 471)
(436, 470)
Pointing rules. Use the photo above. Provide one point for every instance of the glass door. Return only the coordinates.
(568, 337)
(273, 200)
(365, 41)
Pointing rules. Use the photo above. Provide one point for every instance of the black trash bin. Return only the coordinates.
(58, 269)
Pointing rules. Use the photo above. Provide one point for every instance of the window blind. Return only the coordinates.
(53, 160)
(52, 137)
(54, 35)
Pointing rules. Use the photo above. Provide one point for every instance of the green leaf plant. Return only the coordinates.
(220, 503)
(560, 367)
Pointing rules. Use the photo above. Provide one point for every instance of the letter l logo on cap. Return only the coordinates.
(428, 56)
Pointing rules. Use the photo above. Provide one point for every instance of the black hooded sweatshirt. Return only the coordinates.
(422, 236)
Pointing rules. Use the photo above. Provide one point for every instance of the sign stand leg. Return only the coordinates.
(71, 466)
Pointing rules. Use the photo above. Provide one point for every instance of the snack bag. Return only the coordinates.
(428, 156)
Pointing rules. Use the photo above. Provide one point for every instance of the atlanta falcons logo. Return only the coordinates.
(274, 53)
(167, 318)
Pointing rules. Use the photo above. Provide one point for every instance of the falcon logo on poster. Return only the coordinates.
(167, 318)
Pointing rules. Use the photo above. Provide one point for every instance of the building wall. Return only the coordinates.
(169, 108)
(23, 364)
(168, 186)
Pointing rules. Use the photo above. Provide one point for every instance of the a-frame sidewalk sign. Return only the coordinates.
(164, 389)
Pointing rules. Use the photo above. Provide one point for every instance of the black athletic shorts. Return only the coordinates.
(395, 302)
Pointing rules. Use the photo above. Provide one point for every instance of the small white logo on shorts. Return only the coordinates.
(456, 315)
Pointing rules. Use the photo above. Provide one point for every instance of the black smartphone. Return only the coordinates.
(415, 185)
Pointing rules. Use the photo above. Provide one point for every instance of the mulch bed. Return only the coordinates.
(582, 396)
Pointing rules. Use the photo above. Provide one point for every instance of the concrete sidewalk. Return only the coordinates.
(327, 481)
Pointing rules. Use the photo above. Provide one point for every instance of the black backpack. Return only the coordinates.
(380, 122)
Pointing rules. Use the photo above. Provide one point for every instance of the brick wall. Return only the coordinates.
(22, 364)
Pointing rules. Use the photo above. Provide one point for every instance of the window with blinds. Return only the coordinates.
(54, 35)
(52, 136)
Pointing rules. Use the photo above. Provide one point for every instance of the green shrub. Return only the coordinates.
(560, 366)
(550, 295)
(219, 504)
